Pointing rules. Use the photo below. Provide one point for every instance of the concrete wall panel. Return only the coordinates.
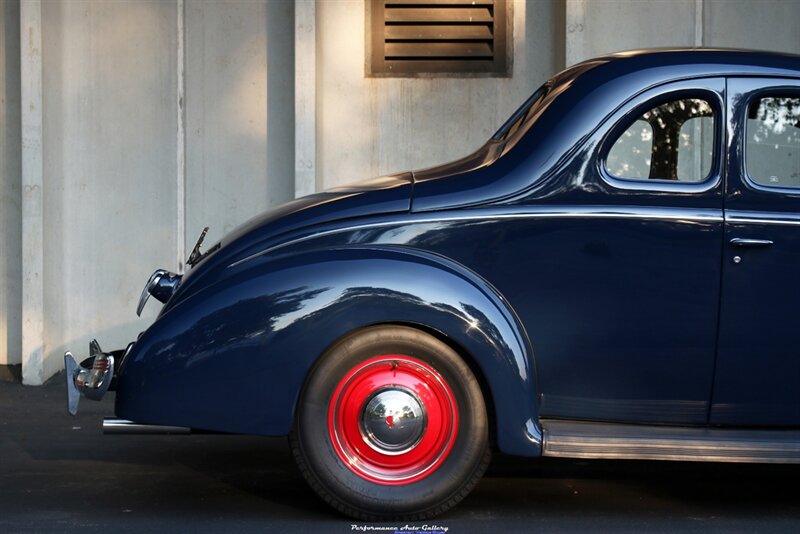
(110, 122)
(109, 166)
(10, 181)
(239, 119)
(766, 24)
(614, 25)
(372, 126)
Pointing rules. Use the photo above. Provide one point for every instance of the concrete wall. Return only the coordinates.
(163, 116)
(600, 27)
(109, 80)
(239, 112)
(766, 24)
(372, 126)
(10, 181)
(611, 25)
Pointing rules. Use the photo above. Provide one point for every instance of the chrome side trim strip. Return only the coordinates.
(123, 426)
(762, 217)
(573, 439)
(598, 212)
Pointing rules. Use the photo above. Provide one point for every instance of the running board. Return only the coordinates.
(576, 439)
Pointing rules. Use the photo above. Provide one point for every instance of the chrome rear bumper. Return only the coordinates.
(93, 382)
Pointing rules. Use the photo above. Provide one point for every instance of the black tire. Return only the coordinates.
(443, 485)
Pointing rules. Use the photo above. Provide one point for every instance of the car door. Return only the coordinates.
(625, 327)
(757, 380)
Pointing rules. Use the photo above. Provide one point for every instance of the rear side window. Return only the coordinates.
(673, 141)
(772, 149)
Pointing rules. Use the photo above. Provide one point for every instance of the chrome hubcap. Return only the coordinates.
(393, 421)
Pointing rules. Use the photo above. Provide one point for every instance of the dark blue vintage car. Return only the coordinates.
(613, 275)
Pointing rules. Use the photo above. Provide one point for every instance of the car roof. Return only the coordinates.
(732, 56)
(674, 63)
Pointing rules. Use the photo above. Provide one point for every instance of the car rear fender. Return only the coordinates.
(234, 356)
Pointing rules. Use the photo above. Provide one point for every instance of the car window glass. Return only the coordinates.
(672, 141)
(772, 149)
(630, 157)
(696, 149)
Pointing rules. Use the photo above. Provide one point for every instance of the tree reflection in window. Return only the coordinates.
(773, 141)
(673, 141)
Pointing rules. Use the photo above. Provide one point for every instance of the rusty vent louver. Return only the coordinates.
(444, 36)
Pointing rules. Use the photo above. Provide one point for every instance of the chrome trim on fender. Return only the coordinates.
(598, 212)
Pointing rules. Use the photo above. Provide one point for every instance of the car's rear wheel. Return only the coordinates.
(391, 425)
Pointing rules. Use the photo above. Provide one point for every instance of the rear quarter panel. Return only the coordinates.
(234, 356)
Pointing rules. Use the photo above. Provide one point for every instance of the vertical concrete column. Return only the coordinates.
(575, 37)
(305, 95)
(10, 187)
(32, 193)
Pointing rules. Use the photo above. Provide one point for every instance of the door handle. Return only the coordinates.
(741, 242)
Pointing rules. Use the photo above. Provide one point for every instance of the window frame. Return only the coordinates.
(786, 91)
(636, 107)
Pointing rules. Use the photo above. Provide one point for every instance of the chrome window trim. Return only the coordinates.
(589, 212)
(661, 186)
(670, 90)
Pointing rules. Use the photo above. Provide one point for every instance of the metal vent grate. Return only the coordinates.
(442, 36)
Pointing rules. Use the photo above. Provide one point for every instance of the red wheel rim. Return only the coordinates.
(383, 378)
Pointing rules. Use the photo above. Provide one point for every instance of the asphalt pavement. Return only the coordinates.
(61, 474)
